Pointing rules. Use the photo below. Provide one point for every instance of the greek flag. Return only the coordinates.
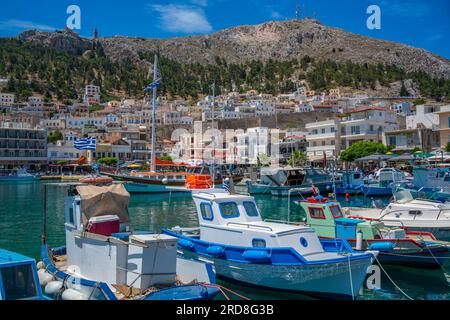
(152, 85)
(85, 144)
(226, 184)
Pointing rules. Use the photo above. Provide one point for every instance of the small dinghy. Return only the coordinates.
(102, 260)
(396, 245)
(279, 256)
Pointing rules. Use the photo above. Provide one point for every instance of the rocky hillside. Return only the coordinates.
(279, 40)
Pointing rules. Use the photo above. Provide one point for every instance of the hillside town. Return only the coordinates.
(36, 134)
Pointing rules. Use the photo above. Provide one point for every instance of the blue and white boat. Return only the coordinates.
(18, 277)
(351, 182)
(103, 260)
(18, 175)
(274, 255)
(386, 180)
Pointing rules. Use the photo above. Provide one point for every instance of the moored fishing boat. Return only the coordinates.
(413, 214)
(102, 259)
(18, 277)
(351, 183)
(396, 245)
(278, 181)
(387, 179)
(18, 175)
(274, 255)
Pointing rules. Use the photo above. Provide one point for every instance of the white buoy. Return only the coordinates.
(53, 288)
(359, 240)
(72, 294)
(165, 180)
(44, 277)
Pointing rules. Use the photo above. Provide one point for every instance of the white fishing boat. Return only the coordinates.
(279, 256)
(103, 260)
(413, 214)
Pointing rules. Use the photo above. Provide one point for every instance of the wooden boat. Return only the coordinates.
(414, 214)
(102, 259)
(278, 181)
(396, 245)
(278, 256)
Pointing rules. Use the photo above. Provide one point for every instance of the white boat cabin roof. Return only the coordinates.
(237, 211)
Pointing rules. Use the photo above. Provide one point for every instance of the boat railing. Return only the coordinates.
(296, 223)
(249, 225)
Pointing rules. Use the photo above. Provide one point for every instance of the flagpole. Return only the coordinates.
(153, 155)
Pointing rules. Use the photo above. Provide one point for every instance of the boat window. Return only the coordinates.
(251, 209)
(336, 211)
(71, 218)
(415, 212)
(259, 243)
(316, 213)
(357, 176)
(229, 210)
(18, 282)
(206, 210)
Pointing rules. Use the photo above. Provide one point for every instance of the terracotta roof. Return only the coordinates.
(368, 108)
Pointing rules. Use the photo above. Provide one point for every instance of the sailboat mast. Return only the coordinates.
(155, 78)
(212, 137)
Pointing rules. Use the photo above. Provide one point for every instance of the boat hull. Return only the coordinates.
(18, 179)
(376, 191)
(283, 191)
(94, 290)
(330, 280)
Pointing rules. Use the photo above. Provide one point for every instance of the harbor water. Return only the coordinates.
(21, 212)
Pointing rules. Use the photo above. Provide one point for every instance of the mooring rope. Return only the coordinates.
(221, 288)
(400, 289)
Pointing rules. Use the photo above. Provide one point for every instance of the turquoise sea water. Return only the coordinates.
(21, 207)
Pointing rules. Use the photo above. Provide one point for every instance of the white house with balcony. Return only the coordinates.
(323, 138)
(367, 124)
(425, 116)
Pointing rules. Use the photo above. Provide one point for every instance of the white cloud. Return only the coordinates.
(275, 15)
(182, 19)
(13, 24)
(410, 8)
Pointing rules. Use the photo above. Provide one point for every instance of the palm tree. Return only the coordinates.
(298, 158)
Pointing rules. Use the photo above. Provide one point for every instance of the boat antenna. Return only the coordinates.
(44, 218)
(155, 80)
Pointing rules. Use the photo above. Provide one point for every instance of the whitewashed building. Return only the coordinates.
(323, 138)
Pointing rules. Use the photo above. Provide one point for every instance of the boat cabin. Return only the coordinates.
(327, 218)
(18, 277)
(235, 220)
(353, 179)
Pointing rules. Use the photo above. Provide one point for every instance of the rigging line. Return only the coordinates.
(400, 289)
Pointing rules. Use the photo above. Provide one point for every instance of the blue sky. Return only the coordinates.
(423, 24)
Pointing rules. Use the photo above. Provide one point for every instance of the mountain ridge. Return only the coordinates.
(277, 40)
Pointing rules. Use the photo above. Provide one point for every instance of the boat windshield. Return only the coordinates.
(403, 196)
(18, 282)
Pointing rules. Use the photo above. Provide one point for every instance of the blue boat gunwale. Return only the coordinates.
(300, 259)
(49, 266)
(24, 261)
